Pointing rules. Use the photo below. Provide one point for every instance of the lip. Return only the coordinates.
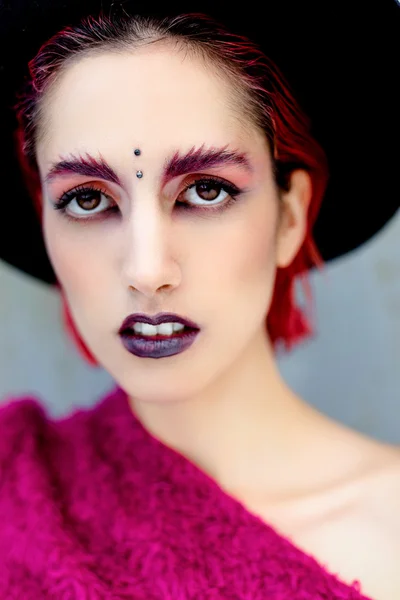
(158, 346)
(164, 317)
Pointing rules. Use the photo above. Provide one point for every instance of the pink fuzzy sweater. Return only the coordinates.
(93, 507)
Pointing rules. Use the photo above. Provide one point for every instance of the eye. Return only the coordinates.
(208, 191)
(85, 200)
(88, 200)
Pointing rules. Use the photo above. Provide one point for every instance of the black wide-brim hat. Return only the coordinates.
(341, 59)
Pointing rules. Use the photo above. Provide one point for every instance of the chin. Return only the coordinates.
(161, 392)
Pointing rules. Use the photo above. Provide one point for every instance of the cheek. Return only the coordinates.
(245, 256)
(76, 258)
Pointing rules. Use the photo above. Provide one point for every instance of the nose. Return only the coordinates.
(147, 253)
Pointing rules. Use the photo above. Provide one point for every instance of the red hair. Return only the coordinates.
(264, 98)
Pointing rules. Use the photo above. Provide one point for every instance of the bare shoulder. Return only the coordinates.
(353, 525)
(376, 519)
(348, 515)
(361, 540)
(380, 488)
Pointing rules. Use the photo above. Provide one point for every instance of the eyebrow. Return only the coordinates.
(202, 158)
(79, 165)
(194, 160)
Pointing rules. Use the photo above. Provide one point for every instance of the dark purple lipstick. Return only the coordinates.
(157, 346)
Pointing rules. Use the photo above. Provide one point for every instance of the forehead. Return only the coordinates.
(155, 97)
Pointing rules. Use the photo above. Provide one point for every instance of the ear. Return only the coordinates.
(292, 225)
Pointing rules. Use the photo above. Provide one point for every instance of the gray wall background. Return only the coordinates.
(349, 370)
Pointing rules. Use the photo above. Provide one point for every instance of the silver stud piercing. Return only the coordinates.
(137, 152)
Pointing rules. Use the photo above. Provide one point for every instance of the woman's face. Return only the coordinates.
(147, 245)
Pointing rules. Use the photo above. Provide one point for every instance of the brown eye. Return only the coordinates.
(89, 200)
(83, 201)
(205, 192)
(208, 191)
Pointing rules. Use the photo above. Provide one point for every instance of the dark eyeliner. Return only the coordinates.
(230, 188)
(67, 197)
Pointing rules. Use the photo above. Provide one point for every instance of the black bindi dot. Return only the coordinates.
(137, 152)
(139, 174)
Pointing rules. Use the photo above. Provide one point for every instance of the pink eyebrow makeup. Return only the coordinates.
(78, 165)
(194, 160)
(200, 159)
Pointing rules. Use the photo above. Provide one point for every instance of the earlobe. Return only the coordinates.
(294, 215)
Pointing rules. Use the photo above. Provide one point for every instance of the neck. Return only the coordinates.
(242, 429)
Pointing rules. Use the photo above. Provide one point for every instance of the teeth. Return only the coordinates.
(163, 329)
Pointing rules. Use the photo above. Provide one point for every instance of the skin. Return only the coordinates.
(222, 403)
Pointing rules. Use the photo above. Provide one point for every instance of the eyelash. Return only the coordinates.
(66, 198)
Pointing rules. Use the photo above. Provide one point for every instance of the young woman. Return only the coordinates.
(177, 184)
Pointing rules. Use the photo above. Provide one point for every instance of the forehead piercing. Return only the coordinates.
(139, 174)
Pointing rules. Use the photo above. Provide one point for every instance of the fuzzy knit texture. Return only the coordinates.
(92, 507)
